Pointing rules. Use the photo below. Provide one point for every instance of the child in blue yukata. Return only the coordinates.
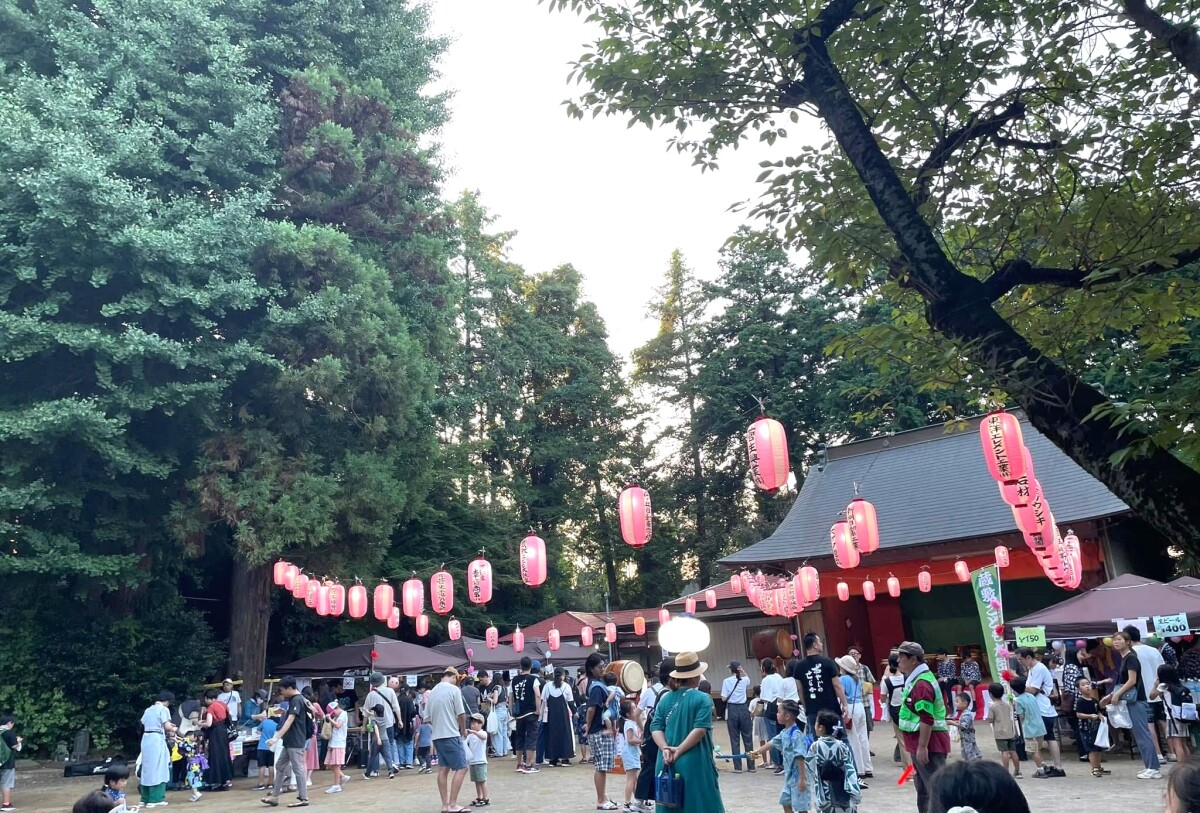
(831, 771)
(790, 742)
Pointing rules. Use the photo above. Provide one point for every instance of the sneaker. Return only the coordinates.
(299, 803)
(195, 796)
(1018, 775)
(1149, 773)
(1058, 772)
(256, 787)
(334, 789)
(521, 768)
(1041, 773)
(392, 774)
(779, 771)
(269, 801)
(7, 807)
(370, 775)
(531, 769)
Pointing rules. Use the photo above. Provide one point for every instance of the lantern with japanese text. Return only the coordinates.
(310, 593)
(454, 628)
(610, 633)
(300, 586)
(422, 625)
(636, 516)
(735, 584)
(845, 555)
(843, 591)
(962, 571)
(289, 576)
(533, 560)
(664, 615)
(689, 605)
(893, 587)
(863, 525)
(586, 636)
(492, 638)
(337, 599)
(1032, 518)
(441, 592)
(323, 598)
(393, 618)
(810, 584)
(384, 600)
(279, 572)
(1074, 552)
(357, 601)
(1002, 556)
(924, 581)
(639, 625)
(518, 642)
(412, 597)
(710, 599)
(554, 640)
(479, 581)
(1003, 447)
(869, 590)
(766, 445)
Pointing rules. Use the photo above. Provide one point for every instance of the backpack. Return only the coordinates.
(6, 751)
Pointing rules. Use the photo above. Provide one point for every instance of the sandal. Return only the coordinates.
(608, 805)
(1098, 773)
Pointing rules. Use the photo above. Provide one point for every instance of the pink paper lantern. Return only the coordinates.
(357, 601)
(766, 444)
(893, 585)
(845, 555)
(412, 595)
(337, 599)
(479, 581)
(869, 590)
(735, 584)
(384, 600)
(1002, 556)
(553, 640)
(323, 599)
(300, 586)
(492, 638)
(279, 572)
(924, 581)
(289, 576)
(863, 525)
(636, 516)
(441, 592)
(518, 642)
(586, 637)
(422, 625)
(752, 592)
(393, 618)
(810, 584)
(1003, 446)
(962, 571)
(843, 591)
(311, 590)
(455, 629)
(664, 615)
(1032, 518)
(533, 560)
(689, 605)
(639, 625)
(710, 599)
(610, 633)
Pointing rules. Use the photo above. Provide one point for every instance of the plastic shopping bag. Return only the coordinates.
(1118, 715)
(1103, 740)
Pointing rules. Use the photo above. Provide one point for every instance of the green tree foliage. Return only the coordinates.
(1020, 176)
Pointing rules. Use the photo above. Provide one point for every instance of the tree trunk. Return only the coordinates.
(249, 619)
(1159, 487)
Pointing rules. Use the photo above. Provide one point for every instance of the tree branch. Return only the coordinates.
(1181, 40)
(1016, 273)
(953, 141)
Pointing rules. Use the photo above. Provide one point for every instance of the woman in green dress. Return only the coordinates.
(682, 727)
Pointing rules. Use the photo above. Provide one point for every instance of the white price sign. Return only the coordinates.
(1172, 624)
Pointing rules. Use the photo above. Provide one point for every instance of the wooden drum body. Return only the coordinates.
(630, 675)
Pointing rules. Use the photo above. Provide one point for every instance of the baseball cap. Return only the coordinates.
(735, 665)
(536, 665)
(479, 717)
(333, 708)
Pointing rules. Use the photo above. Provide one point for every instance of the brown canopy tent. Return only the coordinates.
(351, 660)
(505, 657)
(1093, 614)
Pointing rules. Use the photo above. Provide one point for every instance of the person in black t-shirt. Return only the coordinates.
(817, 682)
(295, 733)
(1130, 688)
(526, 709)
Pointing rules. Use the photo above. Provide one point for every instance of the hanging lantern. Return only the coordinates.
(533, 560)
(310, 593)
(962, 571)
(766, 444)
(810, 584)
(1032, 518)
(610, 633)
(384, 600)
(479, 581)
(455, 629)
(412, 595)
(639, 625)
(664, 615)
(553, 640)
(924, 581)
(393, 618)
(845, 555)
(585, 636)
(863, 525)
(289, 576)
(752, 591)
(492, 638)
(869, 590)
(1074, 552)
(279, 572)
(893, 587)
(337, 599)
(689, 605)
(300, 586)
(422, 625)
(843, 591)
(357, 601)
(323, 599)
(710, 599)
(636, 516)
(441, 592)
(1003, 447)
(518, 642)
(735, 584)
(1002, 556)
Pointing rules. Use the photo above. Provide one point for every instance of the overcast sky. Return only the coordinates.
(608, 199)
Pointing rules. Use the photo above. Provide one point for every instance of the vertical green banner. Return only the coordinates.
(986, 584)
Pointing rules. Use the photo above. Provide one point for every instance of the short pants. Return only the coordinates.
(1006, 745)
(264, 758)
(8, 778)
(791, 796)
(479, 772)
(1051, 724)
(604, 751)
(451, 753)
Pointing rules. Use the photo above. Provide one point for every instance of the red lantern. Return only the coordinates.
(766, 444)
(664, 615)
(639, 625)
(441, 592)
(1032, 518)
(393, 618)
(893, 587)
(869, 590)
(300, 586)
(924, 581)
(843, 591)
(374, 655)
(533, 560)
(610, 633)
(845, 555)
(1002, 557)
(492, 637)
(810, 584)
(585, 636)
(710, 599)
(455, 629)
(357, 600)
(311, 589)
(553, 640)
(735, 584)
(863, 525)
(422, 625)
(479, 581)
(279, 572)
(962, 571)
(1003, 447)
(337, 599)
(412, 595)
(518, 642)
(289, 576)
(636, 516)
(323, 599)
(689, 605)
(385, 601)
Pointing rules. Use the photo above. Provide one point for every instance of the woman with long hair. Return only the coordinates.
(156, 757)
(559, 702)
(215, 721)
(1130, 690)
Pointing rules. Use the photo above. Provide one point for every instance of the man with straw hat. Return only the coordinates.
(682, 728)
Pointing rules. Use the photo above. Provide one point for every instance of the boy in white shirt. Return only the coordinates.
(477, 759)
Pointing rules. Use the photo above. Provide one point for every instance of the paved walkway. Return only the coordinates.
(570, 789)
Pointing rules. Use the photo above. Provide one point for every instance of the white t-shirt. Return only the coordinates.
(476, 748)
(773, 687)
(649, 698)
(1040, 678)
(734, 689)
(338, 740)
(1150, 659)
(443, 704)
(233, 702)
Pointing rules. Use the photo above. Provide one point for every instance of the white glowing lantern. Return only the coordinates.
(684, 634)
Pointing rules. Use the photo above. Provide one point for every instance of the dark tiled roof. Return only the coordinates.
(928, 485)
